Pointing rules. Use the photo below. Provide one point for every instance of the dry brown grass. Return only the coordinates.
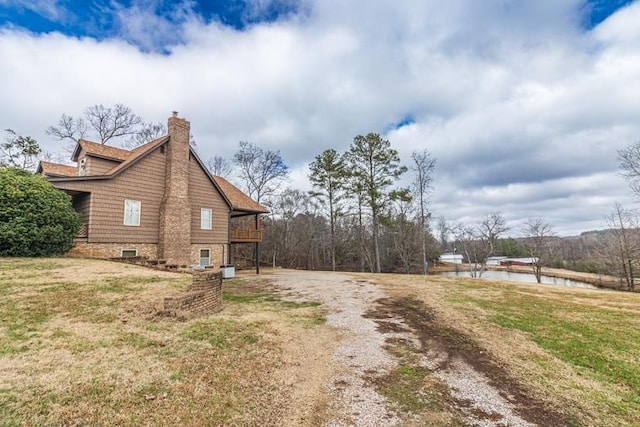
(79, 345)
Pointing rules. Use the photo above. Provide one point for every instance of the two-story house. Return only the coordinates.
(156, 201)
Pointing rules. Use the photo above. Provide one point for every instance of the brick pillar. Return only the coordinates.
(175, 209)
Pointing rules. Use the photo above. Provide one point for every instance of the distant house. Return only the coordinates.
(451, 258)
(156, 201)
(518, 261)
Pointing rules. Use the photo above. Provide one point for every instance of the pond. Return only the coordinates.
(520, 277)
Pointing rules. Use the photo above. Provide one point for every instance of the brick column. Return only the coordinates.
(175, 209)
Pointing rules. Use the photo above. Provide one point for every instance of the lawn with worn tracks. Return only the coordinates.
(81, 343)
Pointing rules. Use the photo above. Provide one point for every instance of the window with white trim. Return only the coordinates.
(129, 253)
(206, 216)
(132, 212)
(205, 257)
(83, 167)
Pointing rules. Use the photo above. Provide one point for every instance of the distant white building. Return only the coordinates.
(495, 260)
(451, 258)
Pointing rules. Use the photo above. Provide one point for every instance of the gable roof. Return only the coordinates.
(235, 198)
(56, 169)
(100, 150)
(238, 200)
(125, 158)
(138, 153)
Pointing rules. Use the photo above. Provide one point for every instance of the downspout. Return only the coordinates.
(229, 238)
(257, 248)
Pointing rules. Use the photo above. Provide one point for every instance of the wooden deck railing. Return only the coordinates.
(243, 235)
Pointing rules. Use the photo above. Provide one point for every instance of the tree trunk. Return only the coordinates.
(376, 248)
(333, 235)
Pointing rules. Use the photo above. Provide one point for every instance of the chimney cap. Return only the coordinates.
(175, 114)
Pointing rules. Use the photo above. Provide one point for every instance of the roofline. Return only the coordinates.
(105, 157)
(247, 212)
(116, 173)
(75, 154)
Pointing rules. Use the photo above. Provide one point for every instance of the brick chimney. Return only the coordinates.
(175, 209)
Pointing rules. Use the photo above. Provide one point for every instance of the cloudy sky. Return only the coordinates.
(524, 103)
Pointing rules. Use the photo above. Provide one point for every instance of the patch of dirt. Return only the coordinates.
(451, 348)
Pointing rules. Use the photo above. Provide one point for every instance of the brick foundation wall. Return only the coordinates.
(113, 250)
(216, 254)
(203, 296)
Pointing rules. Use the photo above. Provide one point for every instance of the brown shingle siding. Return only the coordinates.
(98, 166)
(172, 186)
(203, 194)
(144, 181)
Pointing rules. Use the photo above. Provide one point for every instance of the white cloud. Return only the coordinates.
(523, 110)
(50, 9)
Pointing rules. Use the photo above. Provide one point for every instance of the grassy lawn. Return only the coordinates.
(599, 339)
(579, 349)
(80, 345)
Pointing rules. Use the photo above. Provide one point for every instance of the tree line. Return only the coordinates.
(356, 217)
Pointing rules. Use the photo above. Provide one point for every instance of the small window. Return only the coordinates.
(129, 253)
(83, 167)
(205, 257)
(205, 219)
(132, 212)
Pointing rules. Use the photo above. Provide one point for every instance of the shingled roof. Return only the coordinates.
(100, 150)
(239, 201)
(56, 169)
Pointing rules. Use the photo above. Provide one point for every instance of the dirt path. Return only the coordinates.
(478, 391)
(351, 401)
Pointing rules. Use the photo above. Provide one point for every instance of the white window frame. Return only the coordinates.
(128, 250)
(200, 257)
(208, 225)
(132, 212)
(82, 167)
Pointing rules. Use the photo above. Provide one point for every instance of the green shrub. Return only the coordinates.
(36, 219)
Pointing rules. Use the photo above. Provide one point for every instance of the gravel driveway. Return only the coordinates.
(361, 354)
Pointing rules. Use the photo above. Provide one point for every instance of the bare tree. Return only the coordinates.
(491, 228)
(443, 230)
(479, 241)
(629, 162)
(405, 234)
(219, 166)
(69, 128)
(261, 170)
(474, 249)
(423, 165)
(105, 123)
(294, 231)
(148, 131)
(623, 245)
(18, 151)
(539, 243)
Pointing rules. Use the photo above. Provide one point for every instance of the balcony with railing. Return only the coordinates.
(245, 235)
